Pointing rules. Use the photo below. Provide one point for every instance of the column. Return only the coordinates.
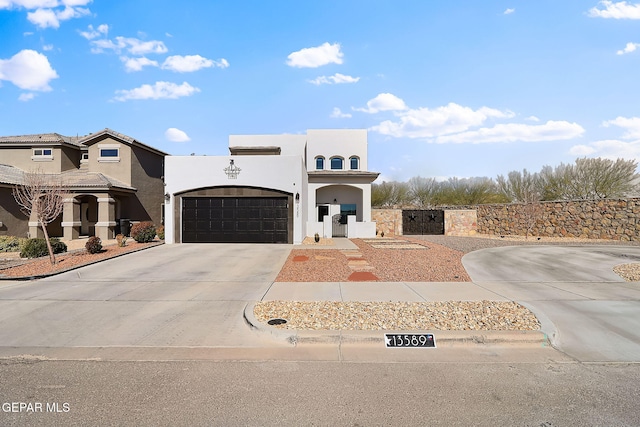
(71, 219)
(105, 227)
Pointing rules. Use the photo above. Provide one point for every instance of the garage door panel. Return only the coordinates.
(235, 219)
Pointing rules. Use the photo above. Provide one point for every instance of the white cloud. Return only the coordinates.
(24, 97)
(176, 135)
(430, 123)
(190, 63)
(630, 47)
(132, 45)
(160, 90)
(92, 33)
(47, 47)
(337, 78)
(338, 114)
(45, 18)
(28, 70)
(533, 119)
(27, 4)
(609, 149)
(630, 124)
(383, 102)
(137, 64)
(618, 10)
(512, 132)
(313, 57)
(509, 11)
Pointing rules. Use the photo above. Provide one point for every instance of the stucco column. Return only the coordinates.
(34, 227)
(71, 219)
(105, 227)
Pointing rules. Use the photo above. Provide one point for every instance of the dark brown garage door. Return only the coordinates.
(235, 220)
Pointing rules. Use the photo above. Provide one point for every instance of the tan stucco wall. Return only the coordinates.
(14, 222)
(120, 170)
(147, 171)
(21, 158)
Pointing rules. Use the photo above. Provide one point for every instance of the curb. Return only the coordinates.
(42, 276)
(376, 338)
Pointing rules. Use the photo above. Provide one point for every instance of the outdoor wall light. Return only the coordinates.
(297, 197)
(335, 200)
(167, 197)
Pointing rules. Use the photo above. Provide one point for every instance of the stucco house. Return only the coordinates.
(272, 189)
(108, 176)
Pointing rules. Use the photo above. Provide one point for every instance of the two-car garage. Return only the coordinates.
(235, 215)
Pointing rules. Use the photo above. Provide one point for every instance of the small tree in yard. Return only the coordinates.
(41, 196)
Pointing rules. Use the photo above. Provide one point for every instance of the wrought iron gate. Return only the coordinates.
(422, 222)
(339, 225)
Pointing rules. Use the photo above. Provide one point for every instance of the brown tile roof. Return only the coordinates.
(71, 179)
(110, 132)
(40, 138)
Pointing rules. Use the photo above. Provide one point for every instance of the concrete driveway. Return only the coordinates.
(589, 312)
(171, 295)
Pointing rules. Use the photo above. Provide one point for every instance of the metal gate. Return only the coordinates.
(339, 225)
(422, 222)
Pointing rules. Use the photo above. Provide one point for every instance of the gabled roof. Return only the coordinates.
(40, 139)
(92, 138)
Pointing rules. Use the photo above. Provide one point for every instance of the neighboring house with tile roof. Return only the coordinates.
(109, 177)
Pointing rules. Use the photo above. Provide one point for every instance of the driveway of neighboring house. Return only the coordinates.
(170, 295)
(596, 313)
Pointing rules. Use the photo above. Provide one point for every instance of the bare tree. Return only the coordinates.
(41, 196)
(589, 179)
(423, 190)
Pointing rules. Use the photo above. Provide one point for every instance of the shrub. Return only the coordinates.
(122, 240)
(11, 243)
(143, 232)
(36, 248)
(160, 232)
(93, 245)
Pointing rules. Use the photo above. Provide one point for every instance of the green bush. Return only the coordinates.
(160, 232)
(11, 243)
(143, 232)
(93, 245)
(36, 248)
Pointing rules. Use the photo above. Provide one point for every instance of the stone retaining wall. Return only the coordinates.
(388, 221)
(460, 222)
(614, 219)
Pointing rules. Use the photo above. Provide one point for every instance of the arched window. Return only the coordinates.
(354, 163)
(337, 163)
(319, 163)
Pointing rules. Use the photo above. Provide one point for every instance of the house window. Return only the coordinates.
(42, 154)
(354, 163)
(320, 163)
(109, 153)
(337, 163)
(84, 158)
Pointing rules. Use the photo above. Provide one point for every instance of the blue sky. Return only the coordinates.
(446, 88)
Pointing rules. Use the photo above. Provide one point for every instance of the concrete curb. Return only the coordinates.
(376, 338)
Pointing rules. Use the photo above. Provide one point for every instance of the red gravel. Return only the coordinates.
(65, 261)
(436, 263)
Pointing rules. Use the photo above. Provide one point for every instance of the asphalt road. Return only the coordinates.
(320, 394)
(589, 312)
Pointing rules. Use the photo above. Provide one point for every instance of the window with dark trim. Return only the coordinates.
(354, 163)
(337, 163)
(109, 152)
(319, 163)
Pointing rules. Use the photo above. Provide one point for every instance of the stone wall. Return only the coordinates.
(460, 222)
(388, 221)
(617, 219)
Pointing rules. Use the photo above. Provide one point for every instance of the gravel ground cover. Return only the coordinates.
(431, 263)
(629, 272)
(21, 268)
(449, 315)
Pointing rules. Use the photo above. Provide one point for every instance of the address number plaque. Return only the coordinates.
(409, 341)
